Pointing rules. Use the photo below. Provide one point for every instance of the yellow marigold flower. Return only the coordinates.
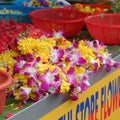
(43, 47)
(52, 41)
(33, 95)
(63, 44)
(64, 80)
(12, 53)
(33, 0)
(102, 50)
(21, 78)
(43, 38)
(98, 61)
(66, 67)
(26, 45)
(43, 67)
(68, 43)
(52, 67)
(44, 56)
(6, 60)
(65, 87)
(79, 70)
(82, 42)
(86, 52)
(49, 40)
(35, 3)
(16, 94)
(89, 58)
(91, 67)
(60, 41)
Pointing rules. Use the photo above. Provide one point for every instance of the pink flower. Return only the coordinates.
(50, 81)
(56, 55)
(84, 82)
(75, 59)
(71, 77)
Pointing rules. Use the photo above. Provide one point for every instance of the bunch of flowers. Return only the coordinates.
(10, 31)
(52, 65)
(46, 3)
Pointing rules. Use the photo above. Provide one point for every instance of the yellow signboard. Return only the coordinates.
(101, 101)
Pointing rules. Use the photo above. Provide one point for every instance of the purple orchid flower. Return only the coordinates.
(19, 65)
(56, 55)
(71, 49)
(38, 95)
(75, 59)
(43, 3)
(81, 86)
(84, 82)
(23, 95)
(94, 65)
(110, 63)
(95, 45)
(21, 62)
(31, 82)
(50, 81)
(74, 91)
(58, 34)
(30, 70)
(75, 44)
(71, 76)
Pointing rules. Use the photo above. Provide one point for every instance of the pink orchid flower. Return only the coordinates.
(50, 81)
(56, 55)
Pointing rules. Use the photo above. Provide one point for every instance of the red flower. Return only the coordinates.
(9, 115)
(19, 105)
(11, 32)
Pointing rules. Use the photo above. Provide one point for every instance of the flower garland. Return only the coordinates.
(52, 65)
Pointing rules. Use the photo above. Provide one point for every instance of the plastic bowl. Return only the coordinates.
(56, 19)
(104, 27)
(5, 81)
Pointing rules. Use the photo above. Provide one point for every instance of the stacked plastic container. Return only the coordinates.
(16, 5)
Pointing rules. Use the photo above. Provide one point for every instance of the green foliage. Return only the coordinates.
(115, 8)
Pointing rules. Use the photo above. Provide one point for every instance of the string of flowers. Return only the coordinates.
(52, 65)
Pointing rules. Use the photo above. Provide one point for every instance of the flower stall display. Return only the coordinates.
(17, 13)
(89, 9)
(9, 31)
(43, 64)
(42, 3)
(92, 8)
